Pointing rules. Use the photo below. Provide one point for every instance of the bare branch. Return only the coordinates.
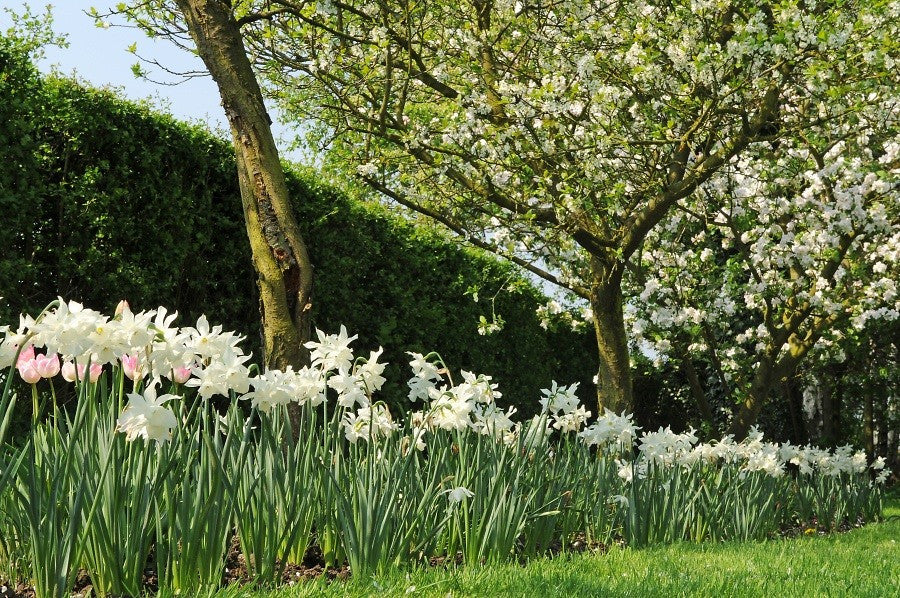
(468, 237)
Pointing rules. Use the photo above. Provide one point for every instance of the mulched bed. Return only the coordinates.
(17, 591)
(811, 528)
(235, 572)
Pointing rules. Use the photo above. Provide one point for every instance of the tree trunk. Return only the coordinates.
(772, 370)
(280, 258)
(687, 364)
(795, 407)
(614, 389)
(748, 411)
(869, 424)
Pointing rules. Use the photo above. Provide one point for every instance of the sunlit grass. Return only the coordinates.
(862, 562)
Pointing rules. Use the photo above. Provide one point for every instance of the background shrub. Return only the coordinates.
(105, 199)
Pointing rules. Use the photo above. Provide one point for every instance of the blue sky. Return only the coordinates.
(99, 56)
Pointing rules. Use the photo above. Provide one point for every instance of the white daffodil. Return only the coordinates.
(105, 341)
(571, 421)
(309, 386)
(133, 330)
(275, 387)
(477, 388)
(223, 374)
(350, 389)
(8, 350)
(67, 328)
(490, 420)
(369, 423)
(451, 412)
(419, 388)
(558, 399)
(458, 494)
(422, 368)
(370, 373)
(331, 351)
(204, 339)
(611, 430)
(145, 416)
(207, 341)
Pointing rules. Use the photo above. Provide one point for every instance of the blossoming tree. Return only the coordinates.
(785, 251)
(561, 133)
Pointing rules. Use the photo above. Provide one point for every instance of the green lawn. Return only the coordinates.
(863, 562)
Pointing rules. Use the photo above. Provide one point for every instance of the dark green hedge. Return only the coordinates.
(104, 199)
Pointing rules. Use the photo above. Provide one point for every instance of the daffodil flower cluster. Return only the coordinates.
(467, 405)
(665, 448)
(148, 347)
(459, 475)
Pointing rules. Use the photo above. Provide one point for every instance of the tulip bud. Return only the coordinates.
(122, 307)
(29, 372)
(181, 375)
(71, 374)
(68, 371)
(130, 366)
(96, 370)
(47, 366)
(27, 354)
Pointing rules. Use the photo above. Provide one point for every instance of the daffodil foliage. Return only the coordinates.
(148, 468)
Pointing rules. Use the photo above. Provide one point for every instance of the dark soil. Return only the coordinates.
(814, 527)
(235, 572)
(17, 591)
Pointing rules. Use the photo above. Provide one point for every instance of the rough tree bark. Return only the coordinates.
(280, 257)
(614, 388)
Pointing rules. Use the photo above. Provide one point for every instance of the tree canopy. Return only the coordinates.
(563, 134)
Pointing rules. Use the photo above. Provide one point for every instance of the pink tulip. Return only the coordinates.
(70, 374)
(96, 370)
(29, 371)
(47, 366)
(181, 375)
(130, 366)
(68, 371)
(27, 354)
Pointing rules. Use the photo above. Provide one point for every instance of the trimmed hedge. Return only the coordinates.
(104, 199)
